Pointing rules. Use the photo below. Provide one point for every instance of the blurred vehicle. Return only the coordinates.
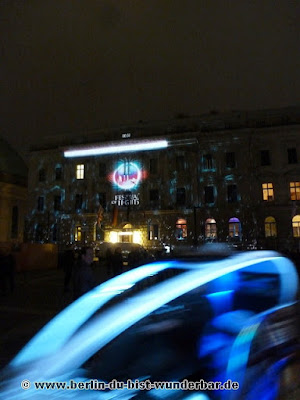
(222, 319)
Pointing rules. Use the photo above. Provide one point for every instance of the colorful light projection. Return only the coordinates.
(127, 175)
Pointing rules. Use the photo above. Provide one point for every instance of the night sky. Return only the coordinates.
(70, 66)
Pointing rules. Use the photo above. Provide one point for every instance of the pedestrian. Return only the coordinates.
(84, 279)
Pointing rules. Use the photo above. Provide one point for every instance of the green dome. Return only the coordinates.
(10, 161)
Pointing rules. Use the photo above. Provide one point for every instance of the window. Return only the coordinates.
(230, 160)
(42, 175)
(39, 235)
(209, 196)
(232, 194)
(78, 202)
(57, 203)
(180, 163)
(102, 199)
(180, 196)
(270, 227)
(55, 233)
(234, 228)
(58, 173)
(153, 232)
(78, 233)
(153, 165)
(14, 222)
(292, 156)
(296, 226)
(40, 203)
(210, 228)
(80, 171)
(102, 170)
(154, 196)
(181, 229)
(295, 190)
(207, 161)
(268, 192)
(265, 158)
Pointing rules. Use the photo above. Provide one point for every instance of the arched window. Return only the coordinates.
(181, 229)
(270, 227)
(296, 226)
(234, 228)
(210, 228)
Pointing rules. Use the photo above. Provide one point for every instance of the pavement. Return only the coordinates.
(38, 296)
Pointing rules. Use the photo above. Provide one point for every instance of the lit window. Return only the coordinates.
(153, 232)
(270, 227)
(295, 190)
(78, 233)
(210, 228)
(181, 229)
(296, 226)
(234, 228)
(80, 171)
(268, 191)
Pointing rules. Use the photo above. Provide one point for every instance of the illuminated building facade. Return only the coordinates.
(221, 177)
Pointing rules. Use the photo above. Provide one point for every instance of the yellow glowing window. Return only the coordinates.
(296, 226)
(270, 227)
(80, 171)
(295, 190)
(268, 191)
(210, 228)
(78, 233)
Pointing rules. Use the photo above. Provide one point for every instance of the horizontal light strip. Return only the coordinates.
(123, 148)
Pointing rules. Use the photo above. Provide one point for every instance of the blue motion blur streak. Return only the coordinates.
(116, 320)
(240, 351)
(60, 328)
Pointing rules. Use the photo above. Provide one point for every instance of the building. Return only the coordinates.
(13, 195)
(222, 176)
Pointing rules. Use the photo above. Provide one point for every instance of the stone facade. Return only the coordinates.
(232, 177)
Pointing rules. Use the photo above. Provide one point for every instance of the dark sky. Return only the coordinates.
(68, 66)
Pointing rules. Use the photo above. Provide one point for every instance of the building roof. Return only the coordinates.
(12, 167)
